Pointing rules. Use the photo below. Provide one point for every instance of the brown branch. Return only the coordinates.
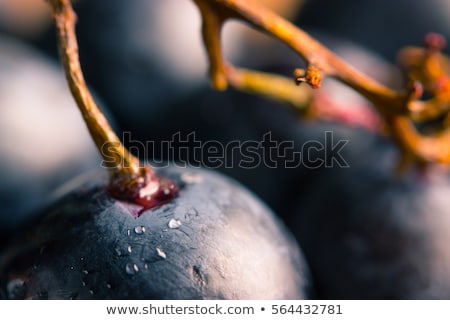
(309, 49)
(270, 85)
(211, 30)
(97, 124)
(129, 180)
(395, 107)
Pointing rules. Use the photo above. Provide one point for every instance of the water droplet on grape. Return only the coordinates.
(191, 178)
(17, 289)
(130, 249)
(129, 232)
(174, 224)
(91, 292)
(131, 268)
(139, 230)
(118, 251)
(85, 272)
(82, 259)
(161, 253)
(108, 286)
(191, 213)
(83, 283)
(145, 266)
(72, 268)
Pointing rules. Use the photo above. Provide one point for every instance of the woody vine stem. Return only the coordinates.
(400, 109)
(129, 179)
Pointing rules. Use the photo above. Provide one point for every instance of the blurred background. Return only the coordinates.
(145, 61)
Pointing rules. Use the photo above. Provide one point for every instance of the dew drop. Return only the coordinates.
(145, 266)
(118, 251)
(139, 230)
(83, 283)
(91, 292)
(191, 213)
(130, 249)
(131, 268)
(174, 224)
(108, 286)
(191, 178)
(17, 289)
(72, 268)
(129, 232)
(161, 253)
(82, 259)
(85, 272)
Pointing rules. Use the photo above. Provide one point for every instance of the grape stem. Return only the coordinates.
(399, 109)
(127, 175)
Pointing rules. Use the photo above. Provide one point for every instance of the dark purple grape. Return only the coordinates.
(215, 240)
(369, 233)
